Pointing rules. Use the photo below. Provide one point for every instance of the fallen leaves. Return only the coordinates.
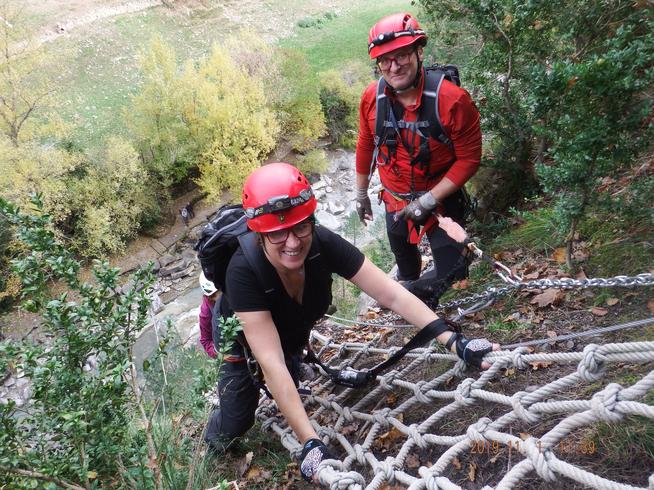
(548, 297)
(536, 365)
(599, 311)
(472, 471)
(650, 305)
(612, 301)
(388, 439)
(559, 255)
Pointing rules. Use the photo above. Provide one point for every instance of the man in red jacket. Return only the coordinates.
(421, 176)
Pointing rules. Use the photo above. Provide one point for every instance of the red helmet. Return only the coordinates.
(393, 32)
(277, 196)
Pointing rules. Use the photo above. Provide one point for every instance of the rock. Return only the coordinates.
(3, 401)
(327, 220)
(179, 266)
(335, 207)
(157, 305)
(329, 189)
(569, 345)
(327, 180)
(183, 273)
(319, 185)
(166, 259)
(156, 266)
(10, 382)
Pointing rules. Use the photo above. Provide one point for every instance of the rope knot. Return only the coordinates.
(415, 434)
(476, 431)
(591, 367)
(417, 391)
(386, 381)
(604, 403)
(347, 414)
(540, 458)
(520, 409)
(518, 359)
(381, 417)
(267, 424)
(359, 454)
(462, 394)
(387, 468)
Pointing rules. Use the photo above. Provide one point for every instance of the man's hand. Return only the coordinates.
(419, 209)
(313, 452)
(364, 208)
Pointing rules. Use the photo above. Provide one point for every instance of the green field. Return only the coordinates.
(101, 70)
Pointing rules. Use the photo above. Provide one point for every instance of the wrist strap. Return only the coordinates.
(362, 193)
(453, 338)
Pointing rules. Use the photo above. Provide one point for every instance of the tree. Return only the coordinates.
(26, 73)
(112, 199)
(565, 95)
(212, 116)
(77, 430)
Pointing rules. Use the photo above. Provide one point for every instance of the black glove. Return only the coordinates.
(313, 452)
(419, 209)
(472, 351)
(364, 208)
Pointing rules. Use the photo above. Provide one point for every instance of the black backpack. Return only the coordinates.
(218, 241)
(389, 117)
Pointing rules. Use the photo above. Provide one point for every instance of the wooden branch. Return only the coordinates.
(153, 463)
(40, 476)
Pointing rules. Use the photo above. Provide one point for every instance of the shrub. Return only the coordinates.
(314, 162)
(339, 96)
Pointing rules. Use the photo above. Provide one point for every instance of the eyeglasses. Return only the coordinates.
(301, 230)
(401, 59)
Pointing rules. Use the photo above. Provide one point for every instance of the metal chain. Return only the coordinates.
(644, 279)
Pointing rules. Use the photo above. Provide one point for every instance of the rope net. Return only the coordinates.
(433, 412)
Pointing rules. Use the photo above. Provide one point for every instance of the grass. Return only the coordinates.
(537, 233)
(342, 39)
(102, 70)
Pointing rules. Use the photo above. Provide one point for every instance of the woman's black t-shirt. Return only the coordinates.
(329, 254)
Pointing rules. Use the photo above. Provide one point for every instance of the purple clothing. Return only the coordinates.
(206, 338)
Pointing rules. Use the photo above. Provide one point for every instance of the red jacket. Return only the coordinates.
(460, 119)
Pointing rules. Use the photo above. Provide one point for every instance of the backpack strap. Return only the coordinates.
(258, 261)
(429, 106)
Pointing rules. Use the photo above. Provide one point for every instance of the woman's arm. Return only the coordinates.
(266, 347)
(392, 295)
(206, 335)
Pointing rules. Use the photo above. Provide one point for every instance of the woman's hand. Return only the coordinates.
(452, 228)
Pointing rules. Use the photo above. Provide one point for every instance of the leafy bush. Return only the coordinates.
(339, 96)
(212, 116)
(562, 97)
(77, 426)
(314, 162)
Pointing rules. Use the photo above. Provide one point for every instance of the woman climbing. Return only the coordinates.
(294, 257)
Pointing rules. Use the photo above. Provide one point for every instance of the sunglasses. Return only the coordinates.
(300, 230)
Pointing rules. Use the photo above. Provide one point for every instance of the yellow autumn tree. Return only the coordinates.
(226, 111)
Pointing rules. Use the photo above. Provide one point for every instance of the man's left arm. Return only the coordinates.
(465, 133)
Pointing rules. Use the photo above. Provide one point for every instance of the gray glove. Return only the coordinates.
(313, 452)
(364, 208)
(419, 209)
(471, 351)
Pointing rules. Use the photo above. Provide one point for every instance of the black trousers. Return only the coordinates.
(446, 252)
(239, 398)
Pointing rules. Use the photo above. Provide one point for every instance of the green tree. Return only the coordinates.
(77, 430)
(210, 116)
(112, 199)
(340, 92)
(563, 89)
(27, 72)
